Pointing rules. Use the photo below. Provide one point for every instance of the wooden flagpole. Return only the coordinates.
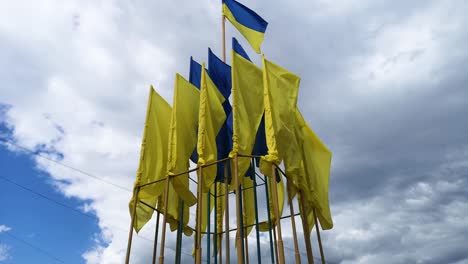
(293, 223)
(305, 228)
(318, 237)
(240, 250)
(155, 248)
(208, 235)
(198, 251)
(179, 232)
(163, 235)
(278, 216)
(226, 214)
(259, 258)
(272, 252)
(132, 222)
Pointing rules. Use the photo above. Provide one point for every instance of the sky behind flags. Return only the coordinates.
(372, 71)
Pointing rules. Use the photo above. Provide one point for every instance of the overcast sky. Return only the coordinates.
(384, 84)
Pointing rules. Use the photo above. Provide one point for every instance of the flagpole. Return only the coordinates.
(199, 216)
(223, 23)
(179, 232)
(215, 236)
(319, 239)
(305, 228)
(163, 235)
(259, 259)
(269, 221)
(208, 235)
(240, 250)
(276, 245)
(226, 215)
(293, 223)
(278, 216)
(155, 248)
(132, 222)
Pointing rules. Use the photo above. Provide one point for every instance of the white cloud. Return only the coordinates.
(4, 252)
(4, 228)
(76, 75)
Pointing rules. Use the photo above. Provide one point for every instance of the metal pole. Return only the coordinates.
(278, 216)
(163, 235)
(318, 237)
(269, 220)
(156, 238)
(132, 222)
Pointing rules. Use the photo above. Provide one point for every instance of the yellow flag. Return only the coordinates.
(280, 98)
(173, 212)
(317, 162)
(153, 157)
(183, 135)
(220, 205)
(211, 118)
(263, 226)
(248, 197)
(247, 108)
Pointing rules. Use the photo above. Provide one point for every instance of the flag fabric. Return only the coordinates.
(263, 226)
(237, 47)
(153, 157)
(183, 135)
(317, 163)
(280, 98)
(248, 108)
(173, 212)
(220, 74)
(249, 23)
(195, 73)
(260, 147)
(195, 78)
(211, 118)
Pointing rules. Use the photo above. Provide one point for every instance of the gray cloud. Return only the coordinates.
(383, 84)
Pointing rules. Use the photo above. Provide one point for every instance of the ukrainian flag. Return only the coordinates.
(249, 23)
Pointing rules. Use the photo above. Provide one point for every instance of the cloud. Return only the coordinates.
(4, 228)
(4, 252)
(382, 84)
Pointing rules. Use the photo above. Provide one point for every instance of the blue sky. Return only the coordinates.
(384, 85)
(42, 229)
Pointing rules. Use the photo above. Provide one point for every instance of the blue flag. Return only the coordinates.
(220, 73)
(195, 79)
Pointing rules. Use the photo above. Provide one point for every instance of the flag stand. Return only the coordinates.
(130, 234)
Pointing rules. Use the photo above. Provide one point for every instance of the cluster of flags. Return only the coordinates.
(224, 111)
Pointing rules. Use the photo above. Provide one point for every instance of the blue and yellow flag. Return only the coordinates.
(220, 74)
(210, 120)
(249, 23)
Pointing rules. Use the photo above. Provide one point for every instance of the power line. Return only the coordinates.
(43, 251)
(75, 210)
(35, 153)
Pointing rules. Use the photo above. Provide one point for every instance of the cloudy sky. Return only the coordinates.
(384, 84)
